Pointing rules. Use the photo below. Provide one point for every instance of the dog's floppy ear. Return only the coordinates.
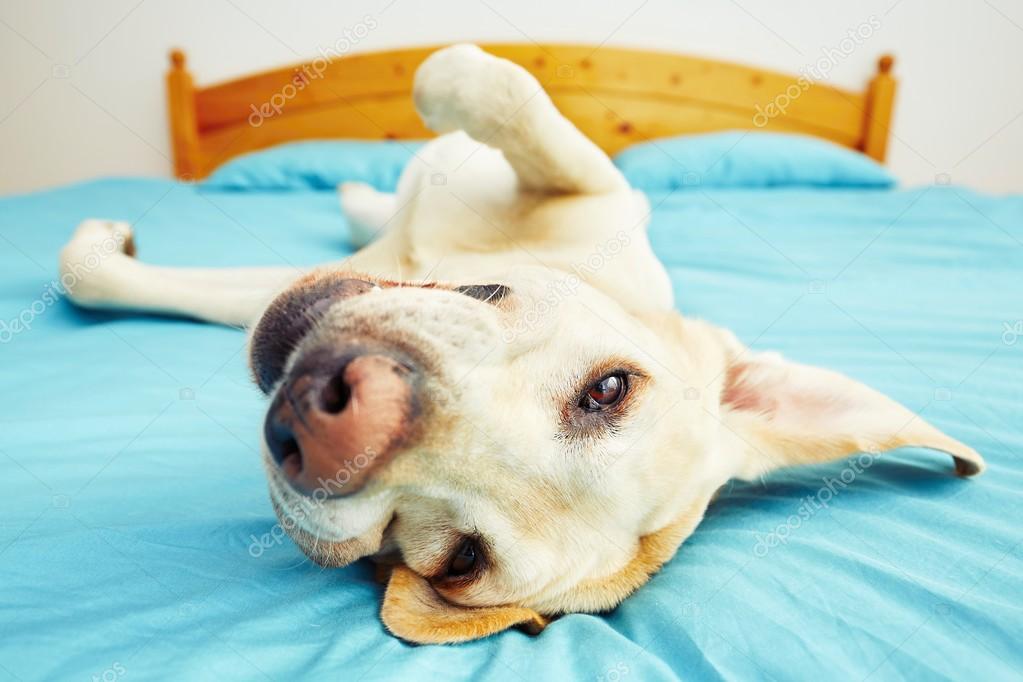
(781, 413)
(414, 611)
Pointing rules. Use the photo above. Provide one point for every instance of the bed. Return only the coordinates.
(136, 536)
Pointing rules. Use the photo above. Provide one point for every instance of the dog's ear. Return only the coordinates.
(414, 612)
(781, 413)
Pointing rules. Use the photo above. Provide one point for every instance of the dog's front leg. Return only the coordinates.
(98, 270)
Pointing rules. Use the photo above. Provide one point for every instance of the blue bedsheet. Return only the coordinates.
(133, 504)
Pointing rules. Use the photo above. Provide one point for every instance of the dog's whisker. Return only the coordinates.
(397, 263)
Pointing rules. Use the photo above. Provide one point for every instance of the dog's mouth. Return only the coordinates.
(300, 516)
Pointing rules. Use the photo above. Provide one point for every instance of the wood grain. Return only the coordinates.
(615, 96)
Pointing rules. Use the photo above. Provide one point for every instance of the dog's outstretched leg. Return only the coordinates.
(502, 105)
(98, 270)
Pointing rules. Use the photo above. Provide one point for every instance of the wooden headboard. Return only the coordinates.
(615, 96)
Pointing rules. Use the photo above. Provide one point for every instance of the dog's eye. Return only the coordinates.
(605, 392)
(464, 559)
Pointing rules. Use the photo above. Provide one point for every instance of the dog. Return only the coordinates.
(495, 398)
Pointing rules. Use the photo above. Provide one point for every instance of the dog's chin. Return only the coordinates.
(295, 513)
(322, 552)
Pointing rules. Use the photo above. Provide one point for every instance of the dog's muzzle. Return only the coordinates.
(339, 417)
(342, 411)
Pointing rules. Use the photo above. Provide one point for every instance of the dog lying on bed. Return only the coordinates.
(495, 399)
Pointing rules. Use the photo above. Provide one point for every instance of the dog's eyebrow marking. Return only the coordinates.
(488, 293)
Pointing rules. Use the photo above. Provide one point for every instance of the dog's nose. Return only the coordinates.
(333, 423)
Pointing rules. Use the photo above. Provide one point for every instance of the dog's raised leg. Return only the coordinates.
(98, 270)
(503, 106)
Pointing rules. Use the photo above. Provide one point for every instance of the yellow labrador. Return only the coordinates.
(495, 399)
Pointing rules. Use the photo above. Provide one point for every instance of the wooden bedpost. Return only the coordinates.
(181, 111)
(878, 116)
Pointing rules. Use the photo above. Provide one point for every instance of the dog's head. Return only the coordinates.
(525, 447)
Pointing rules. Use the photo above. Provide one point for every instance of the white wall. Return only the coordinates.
(81, 83)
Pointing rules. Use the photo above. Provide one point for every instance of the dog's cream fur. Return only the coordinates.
(573, 521)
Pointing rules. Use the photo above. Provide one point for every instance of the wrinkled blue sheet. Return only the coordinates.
(131, 491)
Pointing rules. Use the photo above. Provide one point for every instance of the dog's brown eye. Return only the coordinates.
(464, 560)
(604, 393)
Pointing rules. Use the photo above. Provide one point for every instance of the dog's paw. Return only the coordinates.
(87, 261)
(367, 211)
(463, 88)
(353, 190)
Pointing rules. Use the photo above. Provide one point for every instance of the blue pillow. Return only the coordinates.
(747, 159)
(316, 165)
